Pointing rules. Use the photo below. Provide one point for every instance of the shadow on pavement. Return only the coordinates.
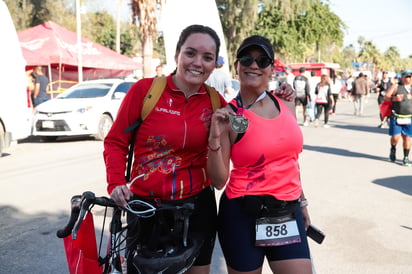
(55, 139)
(29, 243)
(343, 152)
(369, 129)
(400, 183)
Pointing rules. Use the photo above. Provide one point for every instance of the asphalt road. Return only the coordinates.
(356, 196)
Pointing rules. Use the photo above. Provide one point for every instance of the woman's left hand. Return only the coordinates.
(286, 92)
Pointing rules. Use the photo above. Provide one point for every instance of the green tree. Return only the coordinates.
(371, 55)
(30, 13)
(100, 27)
(238, 18)
(392, 59)
(277, 24)
(347, 56)
(300, 29)
(322, 28)
(144, 11)
(20, 11)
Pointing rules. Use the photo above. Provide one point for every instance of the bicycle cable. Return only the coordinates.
(141, 213)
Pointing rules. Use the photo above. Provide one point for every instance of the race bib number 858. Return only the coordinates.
(276, 231)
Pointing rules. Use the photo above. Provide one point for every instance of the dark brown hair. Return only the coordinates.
(198, 29)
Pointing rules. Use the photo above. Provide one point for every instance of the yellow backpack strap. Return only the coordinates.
(214, 97)
(153, 95)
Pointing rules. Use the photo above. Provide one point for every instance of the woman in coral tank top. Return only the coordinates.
(262, 212)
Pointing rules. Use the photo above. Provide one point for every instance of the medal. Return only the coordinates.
(238, 122)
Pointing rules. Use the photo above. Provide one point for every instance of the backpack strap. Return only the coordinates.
(153, 95)
(214, 97)
(149, 101)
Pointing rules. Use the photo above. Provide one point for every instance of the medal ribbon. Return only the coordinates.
(239, 102)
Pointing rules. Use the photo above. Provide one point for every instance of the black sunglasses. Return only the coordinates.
(262, 62)
(408, 76)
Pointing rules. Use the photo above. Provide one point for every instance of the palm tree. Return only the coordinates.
(371, 54)
(119, 4)
(145, 12)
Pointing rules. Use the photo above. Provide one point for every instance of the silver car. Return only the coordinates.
(88, 108)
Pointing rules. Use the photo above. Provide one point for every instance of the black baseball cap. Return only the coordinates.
(258, 41)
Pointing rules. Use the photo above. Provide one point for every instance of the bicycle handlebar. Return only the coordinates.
(80, 204)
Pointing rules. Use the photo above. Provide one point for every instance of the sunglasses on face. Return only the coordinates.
(262, 62)
(408, 76)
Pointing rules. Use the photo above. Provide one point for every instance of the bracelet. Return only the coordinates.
(214, 149)
(304, 203)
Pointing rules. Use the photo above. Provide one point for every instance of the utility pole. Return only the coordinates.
(79, 43)
(119, 4)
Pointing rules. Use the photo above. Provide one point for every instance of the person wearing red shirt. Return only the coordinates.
(170, 151)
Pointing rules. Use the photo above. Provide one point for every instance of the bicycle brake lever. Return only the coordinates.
(87, 197)
(75, 203)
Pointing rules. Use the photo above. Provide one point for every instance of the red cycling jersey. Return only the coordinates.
(171, 143)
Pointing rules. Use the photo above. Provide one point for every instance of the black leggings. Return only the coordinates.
(237, 238)
(319, 108)
(335, 98)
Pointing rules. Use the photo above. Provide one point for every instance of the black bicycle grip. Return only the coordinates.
(87, 199)
(75, 202)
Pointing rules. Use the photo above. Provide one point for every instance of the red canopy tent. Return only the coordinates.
(34, 59)
(52, 44)
(279, 66)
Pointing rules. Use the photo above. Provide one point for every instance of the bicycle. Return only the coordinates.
(175, 255)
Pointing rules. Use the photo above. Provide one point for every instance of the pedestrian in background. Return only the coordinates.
(313, 81)
(349, 86)
(302, 89)
(31, 78)
(41, 87)
(324, 100)
(220, 80)
(159, 71)
(359, 92)
(336, 86)
(289, 76)
(382, 86)
(400, 123)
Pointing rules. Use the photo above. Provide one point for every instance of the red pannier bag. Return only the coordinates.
(82, 257)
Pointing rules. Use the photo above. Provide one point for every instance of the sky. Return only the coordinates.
(384, 22)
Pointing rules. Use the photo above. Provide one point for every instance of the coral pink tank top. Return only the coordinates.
(265, 160)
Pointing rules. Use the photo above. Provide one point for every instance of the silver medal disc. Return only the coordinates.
(239, 123)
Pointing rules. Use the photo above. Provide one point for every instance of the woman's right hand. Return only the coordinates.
(120, 195)
(220, 120)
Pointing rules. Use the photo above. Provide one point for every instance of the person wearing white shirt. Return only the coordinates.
(336, 86)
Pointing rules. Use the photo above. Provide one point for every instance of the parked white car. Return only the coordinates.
(88, 108)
